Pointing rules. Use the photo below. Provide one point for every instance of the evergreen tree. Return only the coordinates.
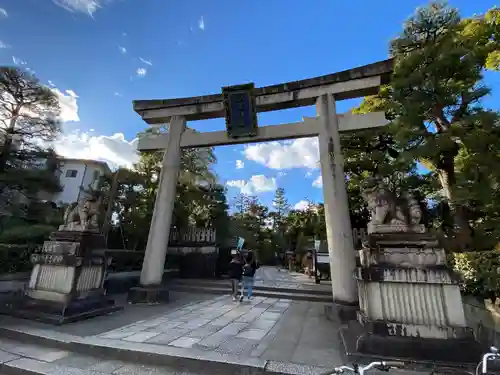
(29, 115)
(434, 100)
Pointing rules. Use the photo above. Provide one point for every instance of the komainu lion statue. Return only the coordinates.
(388, 209)
(83, 214)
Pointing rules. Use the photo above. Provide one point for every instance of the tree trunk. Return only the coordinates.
(462, 231)
(5, 152)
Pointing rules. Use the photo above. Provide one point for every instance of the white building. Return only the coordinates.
(77, 176)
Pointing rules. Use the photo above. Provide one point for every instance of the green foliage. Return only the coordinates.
(27, 167)
(435, 104)
(480, 272)
(200, 200)
(15, 258)
(32, 234)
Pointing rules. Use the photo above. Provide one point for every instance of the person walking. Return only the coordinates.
(249, 270)
(309, 260)
(277, 261)
(235, 273)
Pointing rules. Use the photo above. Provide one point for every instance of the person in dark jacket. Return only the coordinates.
(249, 270)
(235, 273)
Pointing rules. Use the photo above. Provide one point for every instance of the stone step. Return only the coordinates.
(34, 351)
(220, 290)
(321, 290)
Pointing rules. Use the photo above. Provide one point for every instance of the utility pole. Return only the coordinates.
(109, 210)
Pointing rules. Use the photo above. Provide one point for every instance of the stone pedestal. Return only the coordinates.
(66, 282)
(149, 294)
(409, 300)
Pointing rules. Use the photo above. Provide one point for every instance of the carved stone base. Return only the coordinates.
(85, 239)
(148, 294)
(59, 313)
(66, 282)
(358, 342)
(410, 302)
(395, 228)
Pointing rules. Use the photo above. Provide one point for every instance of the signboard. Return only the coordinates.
(241, 241)
(241, 114)
(317, 245)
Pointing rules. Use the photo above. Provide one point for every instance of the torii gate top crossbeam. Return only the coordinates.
(348, 84)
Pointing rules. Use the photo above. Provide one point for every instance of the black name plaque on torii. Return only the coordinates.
(241, 113)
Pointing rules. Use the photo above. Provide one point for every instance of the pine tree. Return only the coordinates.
(281, 207)
(29, 115)
(435, 97)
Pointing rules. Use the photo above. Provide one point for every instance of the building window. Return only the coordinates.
(96, 175)
(71, 173)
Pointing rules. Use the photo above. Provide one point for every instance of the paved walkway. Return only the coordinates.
(279, 335)
(272, 277)
(271, 329)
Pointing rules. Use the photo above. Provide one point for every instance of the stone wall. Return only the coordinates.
(484, 318)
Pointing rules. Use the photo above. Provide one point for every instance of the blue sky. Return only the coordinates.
(101, 54)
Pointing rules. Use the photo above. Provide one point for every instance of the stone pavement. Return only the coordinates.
(281, 337)
(198, 334)
(282, 278)
(263, 336)
(267, 328)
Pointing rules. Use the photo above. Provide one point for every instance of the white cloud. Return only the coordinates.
(141, 72)
(308, 174)
(122, 49)
(68, 105)
(18, 61)
(236, 183)
(3, 13)
(281, 174)
(299, 153)
(301, 205)
(318, 182)
(3, 45)
(114, 149)
(84, 6)
(201, 23)
(240, 164)
(147, 62)
(116, 93)
(51, 84)
(256, 184)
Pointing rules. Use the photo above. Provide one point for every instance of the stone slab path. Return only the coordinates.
(267, 328)
(282, 278)
(260, 336)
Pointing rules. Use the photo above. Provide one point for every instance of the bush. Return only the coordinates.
(480, 272)
(16, 258)
(26, 234)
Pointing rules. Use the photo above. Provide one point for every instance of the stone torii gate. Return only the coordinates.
(322, 91)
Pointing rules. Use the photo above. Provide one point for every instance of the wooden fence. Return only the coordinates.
(359, 235)
(192, 237)
(207, 236)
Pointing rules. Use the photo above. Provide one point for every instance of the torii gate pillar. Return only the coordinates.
(151, 289)
(337, 219)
